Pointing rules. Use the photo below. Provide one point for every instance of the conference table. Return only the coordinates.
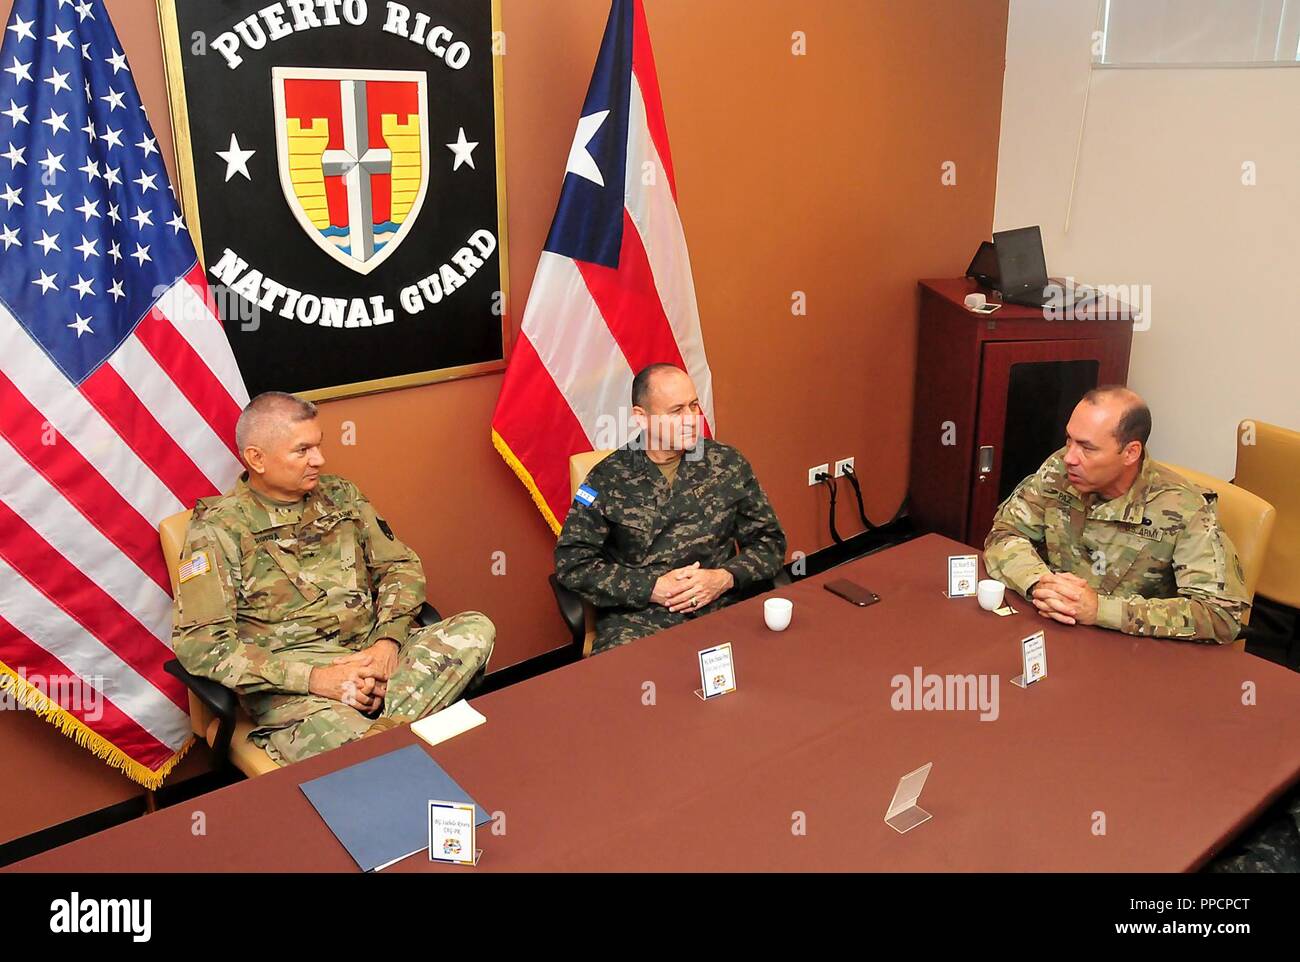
(1133, 754)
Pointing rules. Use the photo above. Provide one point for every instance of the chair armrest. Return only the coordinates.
(427, 615)
(473, 686)
(762, 586)
(219, 699)
(570, 605)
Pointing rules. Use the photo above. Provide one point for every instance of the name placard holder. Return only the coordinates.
(451, 833)
(963, 575)
(1033, 660)
(717, 672)
(903, 813)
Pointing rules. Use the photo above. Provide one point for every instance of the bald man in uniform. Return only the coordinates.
(671, 526)
(1101, 535)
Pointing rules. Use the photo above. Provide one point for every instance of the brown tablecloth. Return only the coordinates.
(1151, 736)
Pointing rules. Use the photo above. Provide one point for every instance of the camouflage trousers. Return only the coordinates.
(434, 666)
(619, 626)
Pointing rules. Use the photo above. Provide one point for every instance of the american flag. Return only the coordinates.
(118, 389)
(613, 290)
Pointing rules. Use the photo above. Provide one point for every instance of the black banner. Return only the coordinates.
(340, 171)
(974, 914)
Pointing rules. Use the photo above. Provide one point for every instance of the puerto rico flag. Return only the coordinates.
(613, 290)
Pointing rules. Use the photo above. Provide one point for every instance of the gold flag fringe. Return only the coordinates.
(508, 456)
(33, 699)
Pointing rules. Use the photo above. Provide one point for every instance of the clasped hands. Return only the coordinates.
(691, 588)
(358, 679)
(1066, 598)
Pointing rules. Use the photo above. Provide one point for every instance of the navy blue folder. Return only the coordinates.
(379, 809)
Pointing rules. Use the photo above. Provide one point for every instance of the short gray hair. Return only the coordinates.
(264, 412)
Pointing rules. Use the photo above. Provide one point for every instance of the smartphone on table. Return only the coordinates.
(852, 592)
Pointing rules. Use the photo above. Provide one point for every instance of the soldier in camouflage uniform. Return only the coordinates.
(1102, 535)
(670, 526)
(294, 593)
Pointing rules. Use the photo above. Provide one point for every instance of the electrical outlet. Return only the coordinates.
(813, 472)
(840, 465)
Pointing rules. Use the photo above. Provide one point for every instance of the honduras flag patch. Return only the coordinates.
(585, 496)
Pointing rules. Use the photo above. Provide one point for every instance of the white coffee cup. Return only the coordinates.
(990, 594)
(974, 301)
(777, 613)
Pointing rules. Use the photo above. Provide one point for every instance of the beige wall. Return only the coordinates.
(1160, 202)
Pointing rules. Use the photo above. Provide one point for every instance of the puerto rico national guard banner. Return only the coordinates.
(342, 177)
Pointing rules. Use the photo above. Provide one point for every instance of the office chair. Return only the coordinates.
(1246, 519)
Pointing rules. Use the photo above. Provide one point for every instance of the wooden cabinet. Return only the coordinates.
(993, 395)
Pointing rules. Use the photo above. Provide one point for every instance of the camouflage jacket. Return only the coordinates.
(612, 550)
(1156, 556)
(267, 592)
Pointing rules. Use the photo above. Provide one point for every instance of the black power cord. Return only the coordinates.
(862, 510)
(857, 490)
(827, 480)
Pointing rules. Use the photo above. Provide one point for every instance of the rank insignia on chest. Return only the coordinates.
(197, 565)
(585, 495)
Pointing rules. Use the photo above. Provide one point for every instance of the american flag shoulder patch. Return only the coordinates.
(585, 495)
(197, 565)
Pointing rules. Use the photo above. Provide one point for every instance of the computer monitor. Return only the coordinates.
(984, 266)
(1021, 264)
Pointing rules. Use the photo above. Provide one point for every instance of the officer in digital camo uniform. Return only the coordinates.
(294, 593)
(652, 537)
(1101, 535)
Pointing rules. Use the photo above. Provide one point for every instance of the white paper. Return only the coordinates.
(380, 868)
(448, 723)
